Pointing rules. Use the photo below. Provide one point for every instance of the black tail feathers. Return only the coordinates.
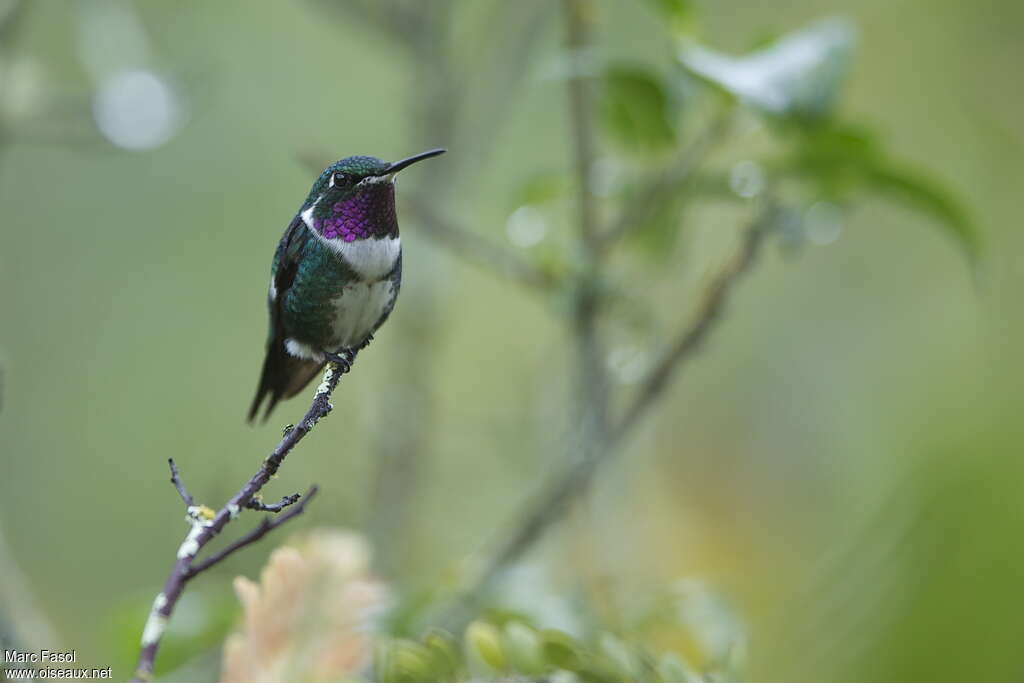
(283, 376)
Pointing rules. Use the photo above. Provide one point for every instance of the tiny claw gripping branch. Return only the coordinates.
(206, 523)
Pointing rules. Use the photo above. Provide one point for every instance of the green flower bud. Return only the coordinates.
(523, 646)
(483, 644)
(561, 651)
(445, 650)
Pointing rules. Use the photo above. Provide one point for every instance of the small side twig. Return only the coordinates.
(257, 504)
(477, 250)
(186, 497)
(204, 528)
(667, 182)
(267, 525)
(549, 506)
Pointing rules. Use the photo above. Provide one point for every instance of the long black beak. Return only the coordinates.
(409, 161)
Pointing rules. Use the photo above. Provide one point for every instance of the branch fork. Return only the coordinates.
(205, 523)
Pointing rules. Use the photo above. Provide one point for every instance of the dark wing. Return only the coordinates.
(283, 375)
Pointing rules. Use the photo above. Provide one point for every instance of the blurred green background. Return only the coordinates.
(842, 461)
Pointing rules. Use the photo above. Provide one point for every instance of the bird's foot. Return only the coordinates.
(343, 359)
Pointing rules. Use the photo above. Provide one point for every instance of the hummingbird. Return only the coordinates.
(335, 275)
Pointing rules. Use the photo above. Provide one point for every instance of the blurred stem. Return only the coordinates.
(590, 400)
(402, 440)
(501, 61)
(578, 18)
(542, 512)
(591, 384)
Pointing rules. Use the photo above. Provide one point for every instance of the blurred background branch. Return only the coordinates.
(557, 495)
(635, 109)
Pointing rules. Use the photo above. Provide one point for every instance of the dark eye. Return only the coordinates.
(342, 180)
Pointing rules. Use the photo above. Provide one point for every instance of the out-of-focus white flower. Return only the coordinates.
(526, 226)
(311, 616)
(137, 109)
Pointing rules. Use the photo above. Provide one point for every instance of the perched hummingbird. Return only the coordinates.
(335, 274)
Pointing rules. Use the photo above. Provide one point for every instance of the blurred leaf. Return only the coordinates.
(842, 161)
(637, 110)
(930, 197)
(561, 650)
(797, 76)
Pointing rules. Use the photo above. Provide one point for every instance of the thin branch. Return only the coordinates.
(548, 507)
(204, 530)
(501, 63)
(591, 376)
(582, 118)
(477, 250)
(267, 525)
(186, 497)
(257, 504)
(667, 182)
(709, 313)
(11, 19)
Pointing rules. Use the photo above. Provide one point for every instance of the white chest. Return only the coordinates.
(358, 310)
(371, 258)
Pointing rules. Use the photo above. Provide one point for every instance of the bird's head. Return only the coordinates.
(355, 198)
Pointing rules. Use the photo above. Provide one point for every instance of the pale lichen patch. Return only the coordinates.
(325, 385)
(156, 623)
(190, 546)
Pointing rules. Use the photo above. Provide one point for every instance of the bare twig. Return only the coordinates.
(667, 182)
(477, 250)
(204, 530)
(544, 510)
